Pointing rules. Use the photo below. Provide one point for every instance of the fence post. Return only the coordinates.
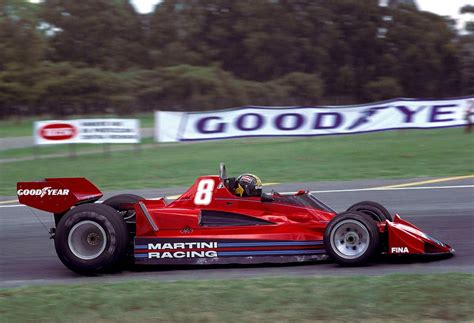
(106, 150)
(36, 152)
(138, 147)
(72, 150)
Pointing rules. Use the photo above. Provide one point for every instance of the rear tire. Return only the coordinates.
(123, 204)
(375, 210)
(351, 238)
(91, 238)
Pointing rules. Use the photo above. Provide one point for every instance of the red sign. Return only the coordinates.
(58, 131)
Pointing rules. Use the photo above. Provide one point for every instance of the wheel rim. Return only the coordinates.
(350, 239)
(87, 240)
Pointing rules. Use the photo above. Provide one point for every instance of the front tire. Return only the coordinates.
(351, 238)
(375, 210)
(91, 238)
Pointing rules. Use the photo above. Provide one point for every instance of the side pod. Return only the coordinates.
(405, 238)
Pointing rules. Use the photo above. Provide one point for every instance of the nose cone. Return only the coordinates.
(435, 246)
(406, 238)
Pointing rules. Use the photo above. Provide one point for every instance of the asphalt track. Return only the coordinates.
(442, 208)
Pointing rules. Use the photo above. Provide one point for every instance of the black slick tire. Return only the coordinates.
(375, 210)
(122, 202)
(351, 239)
(91, 238)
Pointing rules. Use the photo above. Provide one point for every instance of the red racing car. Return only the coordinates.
(218, 220)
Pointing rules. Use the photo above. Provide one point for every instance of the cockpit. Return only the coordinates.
(249, 185)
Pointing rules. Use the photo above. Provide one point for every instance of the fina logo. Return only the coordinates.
(400, 250)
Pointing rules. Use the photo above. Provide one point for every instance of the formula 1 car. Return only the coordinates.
(209, 224)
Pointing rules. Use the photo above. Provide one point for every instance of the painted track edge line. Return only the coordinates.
(382, 189)
(436, 180)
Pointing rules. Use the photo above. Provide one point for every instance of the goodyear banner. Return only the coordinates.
(93, 131)
(257, 121)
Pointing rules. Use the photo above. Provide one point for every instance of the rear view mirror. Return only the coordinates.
(222, 171)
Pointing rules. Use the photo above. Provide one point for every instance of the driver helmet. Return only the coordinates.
(248, 185)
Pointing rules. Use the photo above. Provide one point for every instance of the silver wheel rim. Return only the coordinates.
(87, 240)
(350, 239)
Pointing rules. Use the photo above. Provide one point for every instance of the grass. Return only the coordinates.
(16, 127)
(66, 149)
(381, 298)
(408, 154)
(20, 127)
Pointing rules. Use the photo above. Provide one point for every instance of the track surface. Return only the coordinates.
(444, 210)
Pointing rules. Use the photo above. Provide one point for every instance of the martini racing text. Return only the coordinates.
(179, 250)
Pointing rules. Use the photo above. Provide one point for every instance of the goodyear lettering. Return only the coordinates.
(41, 192)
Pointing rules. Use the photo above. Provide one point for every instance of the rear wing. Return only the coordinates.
(57, 195)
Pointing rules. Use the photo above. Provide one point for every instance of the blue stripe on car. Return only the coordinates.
(268, 244)
(269, 252)
(141, 255)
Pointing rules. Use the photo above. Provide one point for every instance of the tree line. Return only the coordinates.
(65, 57)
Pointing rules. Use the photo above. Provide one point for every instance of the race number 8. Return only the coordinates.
(204, 192)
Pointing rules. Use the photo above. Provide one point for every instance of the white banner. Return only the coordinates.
(92, 131)
(256, 121)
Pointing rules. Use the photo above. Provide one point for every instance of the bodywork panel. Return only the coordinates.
(405, 238)
(230, 229)
(225, 251)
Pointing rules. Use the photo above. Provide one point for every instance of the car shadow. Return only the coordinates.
(164, 268)
(377, 261)
(411, 259)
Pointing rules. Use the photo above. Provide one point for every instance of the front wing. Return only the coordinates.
(405, 238)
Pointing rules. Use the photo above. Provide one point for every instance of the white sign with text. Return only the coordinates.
(258, 121)
(93, 131)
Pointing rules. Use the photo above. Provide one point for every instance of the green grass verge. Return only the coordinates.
(392, 297)
(19, 127)
(66, 149)
(393, 154)
(16, 127)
